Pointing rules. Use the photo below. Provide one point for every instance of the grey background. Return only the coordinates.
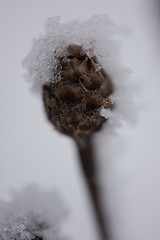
(32, 152)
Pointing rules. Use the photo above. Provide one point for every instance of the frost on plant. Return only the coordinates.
(97, 37)
(32, 214)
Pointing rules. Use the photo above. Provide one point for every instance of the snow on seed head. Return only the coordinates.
(96, 37)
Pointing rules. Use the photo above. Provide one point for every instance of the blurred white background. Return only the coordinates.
(31, 151)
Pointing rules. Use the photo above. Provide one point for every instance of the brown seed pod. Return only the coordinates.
(74, 103)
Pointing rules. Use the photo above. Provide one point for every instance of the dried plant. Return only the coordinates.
(74, 105)
(74, 65)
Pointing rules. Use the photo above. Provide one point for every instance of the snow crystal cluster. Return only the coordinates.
(32, 214)
(98, 37)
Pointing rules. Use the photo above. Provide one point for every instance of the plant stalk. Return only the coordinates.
(88, 165)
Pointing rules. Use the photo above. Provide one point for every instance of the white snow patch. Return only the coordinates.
(31, 213)
(106, 113)
(94, 34)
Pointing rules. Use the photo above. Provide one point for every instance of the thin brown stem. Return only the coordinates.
(88, 164)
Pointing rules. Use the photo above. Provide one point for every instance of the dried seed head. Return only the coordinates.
(74, 103)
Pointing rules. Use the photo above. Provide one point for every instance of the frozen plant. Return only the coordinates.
(76, 68)
(97, 37)
(32, 214)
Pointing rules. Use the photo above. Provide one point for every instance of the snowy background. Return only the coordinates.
(32, 152)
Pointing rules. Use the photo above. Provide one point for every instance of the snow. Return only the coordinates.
(31, 213)
(94, 34)
(106, 113)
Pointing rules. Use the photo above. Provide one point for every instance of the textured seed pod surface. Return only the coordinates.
(74, 103)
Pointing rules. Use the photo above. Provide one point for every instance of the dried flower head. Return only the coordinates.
(76, 65)
(74, 103)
